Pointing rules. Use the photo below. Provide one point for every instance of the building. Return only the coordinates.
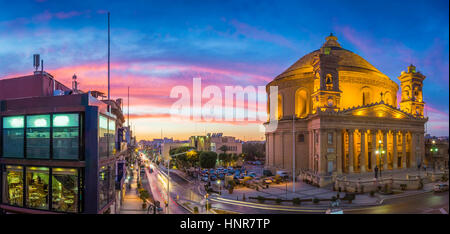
(345, 116)
(214, 141)
(436, 153)
(61, 150)
(218, 140)
(167, 146)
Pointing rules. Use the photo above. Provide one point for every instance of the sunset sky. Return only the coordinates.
(157, 45)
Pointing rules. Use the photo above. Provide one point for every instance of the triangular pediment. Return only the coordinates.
(377, 110)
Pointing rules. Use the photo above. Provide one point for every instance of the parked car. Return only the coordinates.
(267, 173)
(268, 180)
(205, 178)
(213, 178)
(440, 187)
(283, 174)
(252, 174)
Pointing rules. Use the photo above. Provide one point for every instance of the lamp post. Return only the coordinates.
(380, 152)
(220, 187)
(433, 155)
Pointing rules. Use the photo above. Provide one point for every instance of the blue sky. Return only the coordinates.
(158, 44)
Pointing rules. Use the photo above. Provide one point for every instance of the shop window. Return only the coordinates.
(38, 136)
(65, 136)
(13, 185)
(37, 187)
(65, 189)
(13, 136)
(103, 185)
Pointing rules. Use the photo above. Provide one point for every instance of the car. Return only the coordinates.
(213, 178)
(221, 176)
(205, 178)
(440, 187)
(283, 174)
(268, 181)
(334, 211)
(252, 174)
(267, 173)
(258, 163)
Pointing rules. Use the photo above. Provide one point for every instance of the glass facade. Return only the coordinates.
(13, 136)
(62, 183)
(37, 187)
(64, 189)
(102, 136)
(38, 136)
(106, 136)
(66, 136)
(13, 185)
(61, 131)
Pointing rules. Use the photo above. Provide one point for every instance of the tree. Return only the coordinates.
(223, 148)
(208, 159)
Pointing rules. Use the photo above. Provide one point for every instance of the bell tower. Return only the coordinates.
(326, 93)
(411, 84)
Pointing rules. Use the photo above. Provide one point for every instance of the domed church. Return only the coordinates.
(338, 115)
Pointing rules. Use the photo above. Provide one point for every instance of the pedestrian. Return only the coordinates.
(376, 172)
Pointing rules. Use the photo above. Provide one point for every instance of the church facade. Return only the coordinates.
(338, 115)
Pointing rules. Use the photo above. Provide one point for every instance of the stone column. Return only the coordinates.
(323, 152)
(351, 147)
(394, 144)
(385, 162)
(374, 148)
(413, 156)
(403, 149)
(339, 151)
(363, 150)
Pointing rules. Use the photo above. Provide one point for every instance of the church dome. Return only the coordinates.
(349, 61)
(359, 83)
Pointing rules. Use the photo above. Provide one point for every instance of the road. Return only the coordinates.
(427, 203)
(158, 187)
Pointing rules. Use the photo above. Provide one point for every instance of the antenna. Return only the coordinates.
(36, 61)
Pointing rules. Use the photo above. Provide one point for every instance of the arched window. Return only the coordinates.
(388, 98)
(280, 106)
(301, 103)
(329, 81)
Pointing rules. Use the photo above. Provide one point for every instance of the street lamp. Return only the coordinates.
(380, 152)
(220, 187)
(435, 150)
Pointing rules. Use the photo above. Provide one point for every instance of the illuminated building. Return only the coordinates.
(59, 149)
(344, 109)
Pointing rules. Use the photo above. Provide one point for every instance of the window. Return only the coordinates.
(330, 138)
(103, 136)
(13, 136)
(37, 187)
(103, 185)
(64, 189)
(111, 137)
(38, 136)
(65, 136)
(13, 185)
(301, 138)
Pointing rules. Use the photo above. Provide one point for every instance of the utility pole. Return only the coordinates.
(109, 35)
(293, 153)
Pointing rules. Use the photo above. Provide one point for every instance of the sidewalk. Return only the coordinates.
(132, 204)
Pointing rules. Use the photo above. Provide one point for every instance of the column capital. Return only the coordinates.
(350, 130)
(364, 130)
